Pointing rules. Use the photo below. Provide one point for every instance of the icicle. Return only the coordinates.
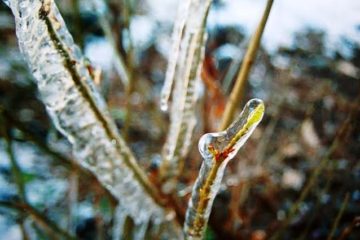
(78, 110)
(119, 222)
(217, 149)
(140, 231)
(7, 2)
(177, 34)
(187, 75)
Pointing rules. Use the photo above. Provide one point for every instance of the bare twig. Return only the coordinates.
(15, 168)
(23, 205)
(127, 12)
(119, 62)
(60, 159)
(51, 227)
(347, 231)
(339, 139)
(317, 205)
(339, 215)
(73, 193)
(245, 69)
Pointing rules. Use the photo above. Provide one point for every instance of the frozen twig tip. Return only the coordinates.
(217, 149)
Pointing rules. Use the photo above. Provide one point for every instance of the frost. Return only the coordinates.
(185, 62)
(217, 149)
(78, 110)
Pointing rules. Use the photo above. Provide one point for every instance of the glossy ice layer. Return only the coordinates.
(185, 62)
(78, 110)
(217, 149)
(182, 15)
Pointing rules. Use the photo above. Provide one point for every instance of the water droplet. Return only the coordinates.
(164, 105)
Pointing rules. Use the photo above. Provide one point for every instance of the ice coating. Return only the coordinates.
(217, 149)
(186, 72)
(177, 34)
(119, 223)
(165, 229)
(78, 110)
(234, 137)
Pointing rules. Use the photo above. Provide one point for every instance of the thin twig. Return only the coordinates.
(339, 139)
(23, 205)
(127, 12)
(347, 230)
(23, 232)
(73, 193)
(61, 159)
(40, 218)
(245, 69)
(317, 205)
(338, 217)
(15, 168)
(119, 62)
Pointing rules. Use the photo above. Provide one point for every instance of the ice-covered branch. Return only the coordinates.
(217, 149)
(78, 110)
(177, 34)
(185, 62)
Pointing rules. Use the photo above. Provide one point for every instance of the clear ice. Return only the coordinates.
(217, 149)
(177, 34)
(78, 110)
(185, 62)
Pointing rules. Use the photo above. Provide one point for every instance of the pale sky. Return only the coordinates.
(337, 17)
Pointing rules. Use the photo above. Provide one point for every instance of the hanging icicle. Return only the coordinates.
(78, 110)
(217, 149)
(177, 34)
(184, 68)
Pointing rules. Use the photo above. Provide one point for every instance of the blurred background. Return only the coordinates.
(304, 155)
